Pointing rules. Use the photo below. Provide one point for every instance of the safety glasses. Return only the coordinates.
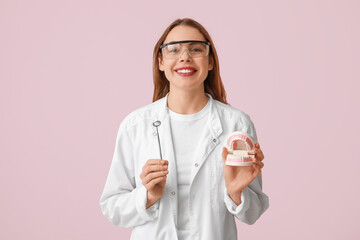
(195, 49)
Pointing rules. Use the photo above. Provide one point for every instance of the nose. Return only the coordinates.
(185, 56)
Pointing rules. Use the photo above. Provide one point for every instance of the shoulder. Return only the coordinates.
(231, 113)
(147, 112)
(236, 118)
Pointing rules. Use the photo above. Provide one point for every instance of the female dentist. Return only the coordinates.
(167, 178)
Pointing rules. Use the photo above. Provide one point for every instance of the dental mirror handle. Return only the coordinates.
(156, 124)
(159, 142)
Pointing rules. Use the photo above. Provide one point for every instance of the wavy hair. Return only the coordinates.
(212, 84)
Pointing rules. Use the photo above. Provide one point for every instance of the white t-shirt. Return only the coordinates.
(186, 132)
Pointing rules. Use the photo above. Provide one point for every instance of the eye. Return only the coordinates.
(174, 50)
(196, 50)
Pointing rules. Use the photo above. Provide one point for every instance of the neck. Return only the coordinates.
(187, 102)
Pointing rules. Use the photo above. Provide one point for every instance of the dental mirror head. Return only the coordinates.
(156, 123)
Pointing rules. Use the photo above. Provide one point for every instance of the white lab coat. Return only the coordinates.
(212, 212)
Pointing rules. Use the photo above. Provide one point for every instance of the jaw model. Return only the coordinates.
(240, 147)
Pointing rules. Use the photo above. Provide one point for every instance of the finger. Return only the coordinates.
(155, 181)
(259, 154)
(153, 168)
(259, 157)
(156, 162)
(154, 175)
(257, 145)
(224, 153)
(149, 162)
(257, 150)
(257, 171)
(258, 163)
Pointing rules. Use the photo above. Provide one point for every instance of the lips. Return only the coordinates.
(185, 71)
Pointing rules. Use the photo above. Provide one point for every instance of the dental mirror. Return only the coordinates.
(156, 124)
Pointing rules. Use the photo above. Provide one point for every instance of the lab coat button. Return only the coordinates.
(214, 140)
(173, 193)
(196, 165)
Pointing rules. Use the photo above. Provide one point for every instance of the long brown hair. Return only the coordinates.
(212, 84)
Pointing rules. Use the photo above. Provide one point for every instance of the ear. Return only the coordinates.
(211, 64)
(161, 64)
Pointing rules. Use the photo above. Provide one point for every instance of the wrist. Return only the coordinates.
(233, 190)
(235, 196)
(150, 200)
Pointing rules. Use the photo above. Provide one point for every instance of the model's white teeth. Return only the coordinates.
(185, 71)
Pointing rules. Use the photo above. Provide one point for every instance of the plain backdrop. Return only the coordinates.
(71, 70)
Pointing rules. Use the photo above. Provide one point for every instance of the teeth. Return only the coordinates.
(185, 71)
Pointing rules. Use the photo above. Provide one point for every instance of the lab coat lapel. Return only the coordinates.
(209, 139)
(168, 154)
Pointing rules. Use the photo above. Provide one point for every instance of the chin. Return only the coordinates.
(188, 86)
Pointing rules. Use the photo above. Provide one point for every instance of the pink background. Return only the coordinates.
(70, 72)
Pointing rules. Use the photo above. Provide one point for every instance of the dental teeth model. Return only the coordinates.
(240, 147)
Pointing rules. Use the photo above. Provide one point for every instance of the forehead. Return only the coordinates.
(181, 33)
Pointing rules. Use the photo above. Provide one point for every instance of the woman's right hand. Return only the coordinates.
(153, 177)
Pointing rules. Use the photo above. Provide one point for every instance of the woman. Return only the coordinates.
(189, 193)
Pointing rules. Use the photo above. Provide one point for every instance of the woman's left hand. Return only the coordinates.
(238, 178)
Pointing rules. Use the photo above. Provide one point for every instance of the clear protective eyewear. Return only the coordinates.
(195, 49)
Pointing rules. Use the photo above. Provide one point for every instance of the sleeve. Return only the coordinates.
(253, 201)
(122, 202)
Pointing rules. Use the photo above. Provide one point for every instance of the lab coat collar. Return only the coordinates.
(215, 123)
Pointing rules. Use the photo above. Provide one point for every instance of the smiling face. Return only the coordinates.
(188, 80)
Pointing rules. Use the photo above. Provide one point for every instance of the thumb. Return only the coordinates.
(224, 153)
